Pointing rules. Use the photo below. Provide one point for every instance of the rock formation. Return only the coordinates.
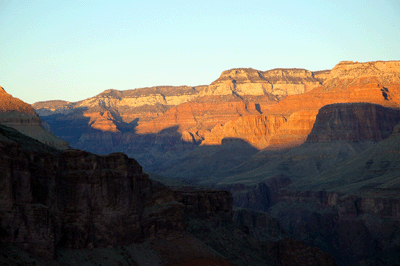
(255, 129)
(354, 122)
(248, 81)
(21, 116)
(371, 82)
(339, 190)
(72, 207)
(70, 198)
(182, 117)
(327, 169)
(207, 114)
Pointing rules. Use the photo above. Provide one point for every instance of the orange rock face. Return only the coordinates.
(255, 129)
(103, 121)
(8, 103)
(282, 104)
(22, 117)
(198, 116)
(372, 82)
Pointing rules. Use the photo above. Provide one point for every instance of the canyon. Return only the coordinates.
(273, 109)
(285, 161)
(72, 207)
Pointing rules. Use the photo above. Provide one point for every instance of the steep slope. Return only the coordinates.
(21, 116)
(374, 172)
(76, 208)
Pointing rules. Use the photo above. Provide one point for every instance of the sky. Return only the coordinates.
(73, 50)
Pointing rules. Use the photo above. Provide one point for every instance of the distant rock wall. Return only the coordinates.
(354, 122)
(169, 122)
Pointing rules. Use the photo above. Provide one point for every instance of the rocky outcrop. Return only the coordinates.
(255, 129)
(204, 202)
(248, 81)
(144, 104)
(258, 223)
(371, 82)
(193, 110)
(75, 199)
(340, 222)
(354, 74)
(198, 117)
(9, 104)
(21, 116)
(237, 92)
(354, 122)
(339, 190)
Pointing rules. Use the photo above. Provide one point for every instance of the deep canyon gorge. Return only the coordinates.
(276, 167)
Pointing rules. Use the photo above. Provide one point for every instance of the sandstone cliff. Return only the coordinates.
(147, 104)
(248, 81)
(371, 82)
(271, 110)
(137, 121)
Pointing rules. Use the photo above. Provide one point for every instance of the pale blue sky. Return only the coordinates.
(72, 50)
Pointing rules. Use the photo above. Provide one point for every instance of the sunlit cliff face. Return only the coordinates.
(242, 103)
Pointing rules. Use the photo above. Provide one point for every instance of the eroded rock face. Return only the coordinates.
(248, 81)
(348, 82)
(208, 114)
(255, 129)
(195, 110)
(205, 202)
(354, 122)
(353, 229)
(354, 74)
(75, 199)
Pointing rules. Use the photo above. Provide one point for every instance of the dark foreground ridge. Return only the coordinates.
(73, 207)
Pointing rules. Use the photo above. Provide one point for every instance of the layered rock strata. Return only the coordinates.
(371, 82)
(73, 198)
(354, 122)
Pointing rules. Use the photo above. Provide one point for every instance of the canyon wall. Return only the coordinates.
(339, 190)
(72, 207)
(73, 198)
